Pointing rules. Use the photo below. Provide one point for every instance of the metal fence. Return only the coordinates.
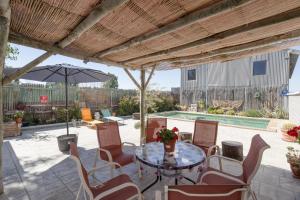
(30, 94)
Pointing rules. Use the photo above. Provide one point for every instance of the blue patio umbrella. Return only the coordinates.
(64, 73)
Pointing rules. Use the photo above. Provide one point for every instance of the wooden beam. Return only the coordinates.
(238, 55)
(23, 40)
(95, 16)
(133, 79)
(98, 13)
(4, 27)
(150, 76)
(277, 39)
(257, 25)
(26, 68)
(196, 16)
(142, 106)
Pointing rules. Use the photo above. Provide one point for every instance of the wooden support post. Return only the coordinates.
(132, 78)
(150, 76)
(142, 104)
(4, 27)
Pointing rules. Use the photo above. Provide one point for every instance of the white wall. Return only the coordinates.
(294, 108)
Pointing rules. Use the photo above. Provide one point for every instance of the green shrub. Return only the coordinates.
(28, 118)
(253, 113)
(128, 105)
(211, 110)
(220, 111)
(60, 115)
(280, 113)
(75, 113)
(164, 103)
(230, 112)
(243, 114)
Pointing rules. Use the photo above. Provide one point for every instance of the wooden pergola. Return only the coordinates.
(146, 35)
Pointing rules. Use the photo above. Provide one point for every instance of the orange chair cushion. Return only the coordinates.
(125, 193)
(86, 114)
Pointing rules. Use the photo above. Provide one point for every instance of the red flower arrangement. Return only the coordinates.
(295, 132)
(166, 135)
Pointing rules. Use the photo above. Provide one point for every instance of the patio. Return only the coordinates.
(34, 168)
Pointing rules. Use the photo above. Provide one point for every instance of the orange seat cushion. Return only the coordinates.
(86, 114)
(125, 193)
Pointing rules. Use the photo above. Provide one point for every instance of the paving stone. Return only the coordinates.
(33, 164)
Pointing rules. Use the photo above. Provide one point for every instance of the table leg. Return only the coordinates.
(189, 179)
(158, 177)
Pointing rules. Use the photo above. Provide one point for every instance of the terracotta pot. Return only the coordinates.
(296, 170)
(170, 146)
(19, 120)
(286, 137)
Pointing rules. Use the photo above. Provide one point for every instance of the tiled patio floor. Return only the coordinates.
(34, 168)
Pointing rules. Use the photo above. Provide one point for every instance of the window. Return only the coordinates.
(259, 67)
(192, 74)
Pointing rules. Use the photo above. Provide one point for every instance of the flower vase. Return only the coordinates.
(169, 146)
(286, 137)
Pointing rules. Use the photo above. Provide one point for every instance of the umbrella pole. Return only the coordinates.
(67, 100)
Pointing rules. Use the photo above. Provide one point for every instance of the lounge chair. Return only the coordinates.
(203, 192)
(107, 115)
(250, 166)
(120, 187)
(153, 126)
(110, 145)
(86, 116)
(205, 135)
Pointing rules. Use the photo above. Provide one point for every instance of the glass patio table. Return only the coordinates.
(185, 156)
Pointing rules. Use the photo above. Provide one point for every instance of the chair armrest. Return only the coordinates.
(224, 158)
(211, 148)
(221, 175)
(129, 143)
(208, 194)
(108, 164)
(120, 187)
(107, 153)
(220, 158)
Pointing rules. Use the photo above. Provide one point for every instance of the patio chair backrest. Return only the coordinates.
(153, 126)
(86, 114)
(105, 112)
(109, 138)
(253, 159)
(81, 170)
(206, 192)
(205, 133)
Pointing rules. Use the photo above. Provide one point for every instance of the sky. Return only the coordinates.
(162, 80)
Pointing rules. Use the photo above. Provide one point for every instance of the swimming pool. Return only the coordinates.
(224, 120)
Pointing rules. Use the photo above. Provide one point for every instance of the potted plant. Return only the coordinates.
(293, 158)
(286, 127)
(18, 116)
(168, 137)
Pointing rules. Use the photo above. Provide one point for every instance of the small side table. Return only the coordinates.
(185, 136)
(232, 149)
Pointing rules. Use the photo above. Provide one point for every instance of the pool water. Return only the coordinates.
(225, 120)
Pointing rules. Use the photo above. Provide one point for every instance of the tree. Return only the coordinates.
(112, 83)
(11, 52)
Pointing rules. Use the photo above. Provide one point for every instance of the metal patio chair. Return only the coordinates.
(110, 145)
(153, 126)
(205, 136)
(119, 187)
(250, 166)
(203, 192)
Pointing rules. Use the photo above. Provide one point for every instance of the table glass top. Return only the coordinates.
(185, 156)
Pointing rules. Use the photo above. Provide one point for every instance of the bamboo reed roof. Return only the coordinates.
(163, 33)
